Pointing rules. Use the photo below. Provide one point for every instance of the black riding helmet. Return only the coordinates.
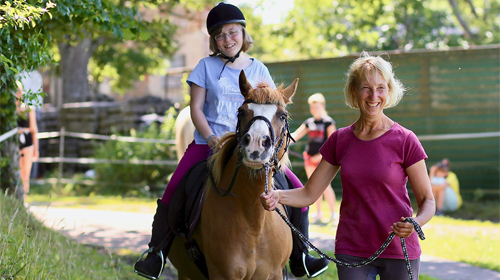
(224, 14)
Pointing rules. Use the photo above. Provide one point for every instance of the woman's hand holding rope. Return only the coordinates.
(270, 200)
(402, 228)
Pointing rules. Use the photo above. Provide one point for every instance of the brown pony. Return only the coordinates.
(241, 240)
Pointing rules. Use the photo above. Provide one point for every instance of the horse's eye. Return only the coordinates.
(283, 116)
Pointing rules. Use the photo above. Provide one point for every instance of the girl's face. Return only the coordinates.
(317, 109)
(230, 40)
(372, 92)
(441, 173)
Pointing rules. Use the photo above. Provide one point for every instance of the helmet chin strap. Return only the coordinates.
(232, 59)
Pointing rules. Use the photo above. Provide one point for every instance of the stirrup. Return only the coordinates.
(308, 273)
(160, 254)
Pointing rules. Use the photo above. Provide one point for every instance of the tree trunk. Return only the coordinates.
(10, 177)
(74, 72)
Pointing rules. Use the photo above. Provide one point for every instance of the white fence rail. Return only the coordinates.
(61, 159)
(7, 135)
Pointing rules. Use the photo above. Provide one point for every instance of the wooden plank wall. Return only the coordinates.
(454, 91)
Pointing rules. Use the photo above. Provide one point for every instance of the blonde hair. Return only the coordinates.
(20, 89)
(247, 40)
(365, 65)
(19, 85)
(317, 97)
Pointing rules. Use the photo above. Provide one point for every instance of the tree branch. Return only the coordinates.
(461, 20)
(472, 8)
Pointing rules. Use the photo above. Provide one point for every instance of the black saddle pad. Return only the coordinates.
(187, 201)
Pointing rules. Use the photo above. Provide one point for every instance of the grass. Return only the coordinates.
(29, 250)
(470, 241)
(110, 203)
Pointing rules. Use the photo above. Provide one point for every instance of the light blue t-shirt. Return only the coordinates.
(438, 180)
(223, 95)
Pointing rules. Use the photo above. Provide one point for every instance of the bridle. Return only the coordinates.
(283, 138)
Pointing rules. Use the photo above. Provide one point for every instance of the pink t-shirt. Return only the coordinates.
(374, 189)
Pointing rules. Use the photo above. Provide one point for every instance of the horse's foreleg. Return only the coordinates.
(278, 276)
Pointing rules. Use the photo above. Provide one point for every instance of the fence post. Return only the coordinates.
(61, 155)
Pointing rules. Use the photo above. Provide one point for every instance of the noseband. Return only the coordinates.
(284, 138)
(284, 133)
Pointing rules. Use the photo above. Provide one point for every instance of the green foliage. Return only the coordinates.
(32, 251)
(123, 65)
(128, 39)
(17, 13)
(130, 179)
(22, 47)
(323, 28)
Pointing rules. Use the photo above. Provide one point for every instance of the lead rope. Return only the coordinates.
(362, 263)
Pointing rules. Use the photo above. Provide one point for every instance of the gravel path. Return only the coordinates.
(130, 230)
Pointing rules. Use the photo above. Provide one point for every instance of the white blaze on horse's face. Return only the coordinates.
(258, 142)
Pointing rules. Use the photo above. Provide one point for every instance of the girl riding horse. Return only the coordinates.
(215, 98)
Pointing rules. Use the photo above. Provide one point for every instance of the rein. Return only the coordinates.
(389, 239)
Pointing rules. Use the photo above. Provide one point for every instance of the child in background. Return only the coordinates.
(445, 187)
(318, 128)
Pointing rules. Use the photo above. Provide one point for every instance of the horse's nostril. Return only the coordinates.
(267, 142)
(246, 140)
(254, 155)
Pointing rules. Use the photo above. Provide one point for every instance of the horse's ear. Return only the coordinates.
(290, 91)
(245, 85)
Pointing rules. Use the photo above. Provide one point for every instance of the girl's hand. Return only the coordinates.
(270, 200)
(213, 141)
(402, 229)
(36, 155)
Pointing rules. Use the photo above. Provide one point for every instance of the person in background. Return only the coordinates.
(318, 128)
(445, 187)
(376, 158)
(215, 99)
(33, 82)
(28, 140)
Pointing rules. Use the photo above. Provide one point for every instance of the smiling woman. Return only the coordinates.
(376, 158)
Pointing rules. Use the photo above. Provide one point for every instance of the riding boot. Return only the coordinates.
(152, 265)
(301, 263)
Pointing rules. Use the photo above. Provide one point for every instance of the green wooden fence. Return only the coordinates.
(450, 92)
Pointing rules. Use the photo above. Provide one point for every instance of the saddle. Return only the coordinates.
(187, 202)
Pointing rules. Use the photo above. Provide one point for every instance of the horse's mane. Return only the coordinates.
(263, 93)
(222, 152)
